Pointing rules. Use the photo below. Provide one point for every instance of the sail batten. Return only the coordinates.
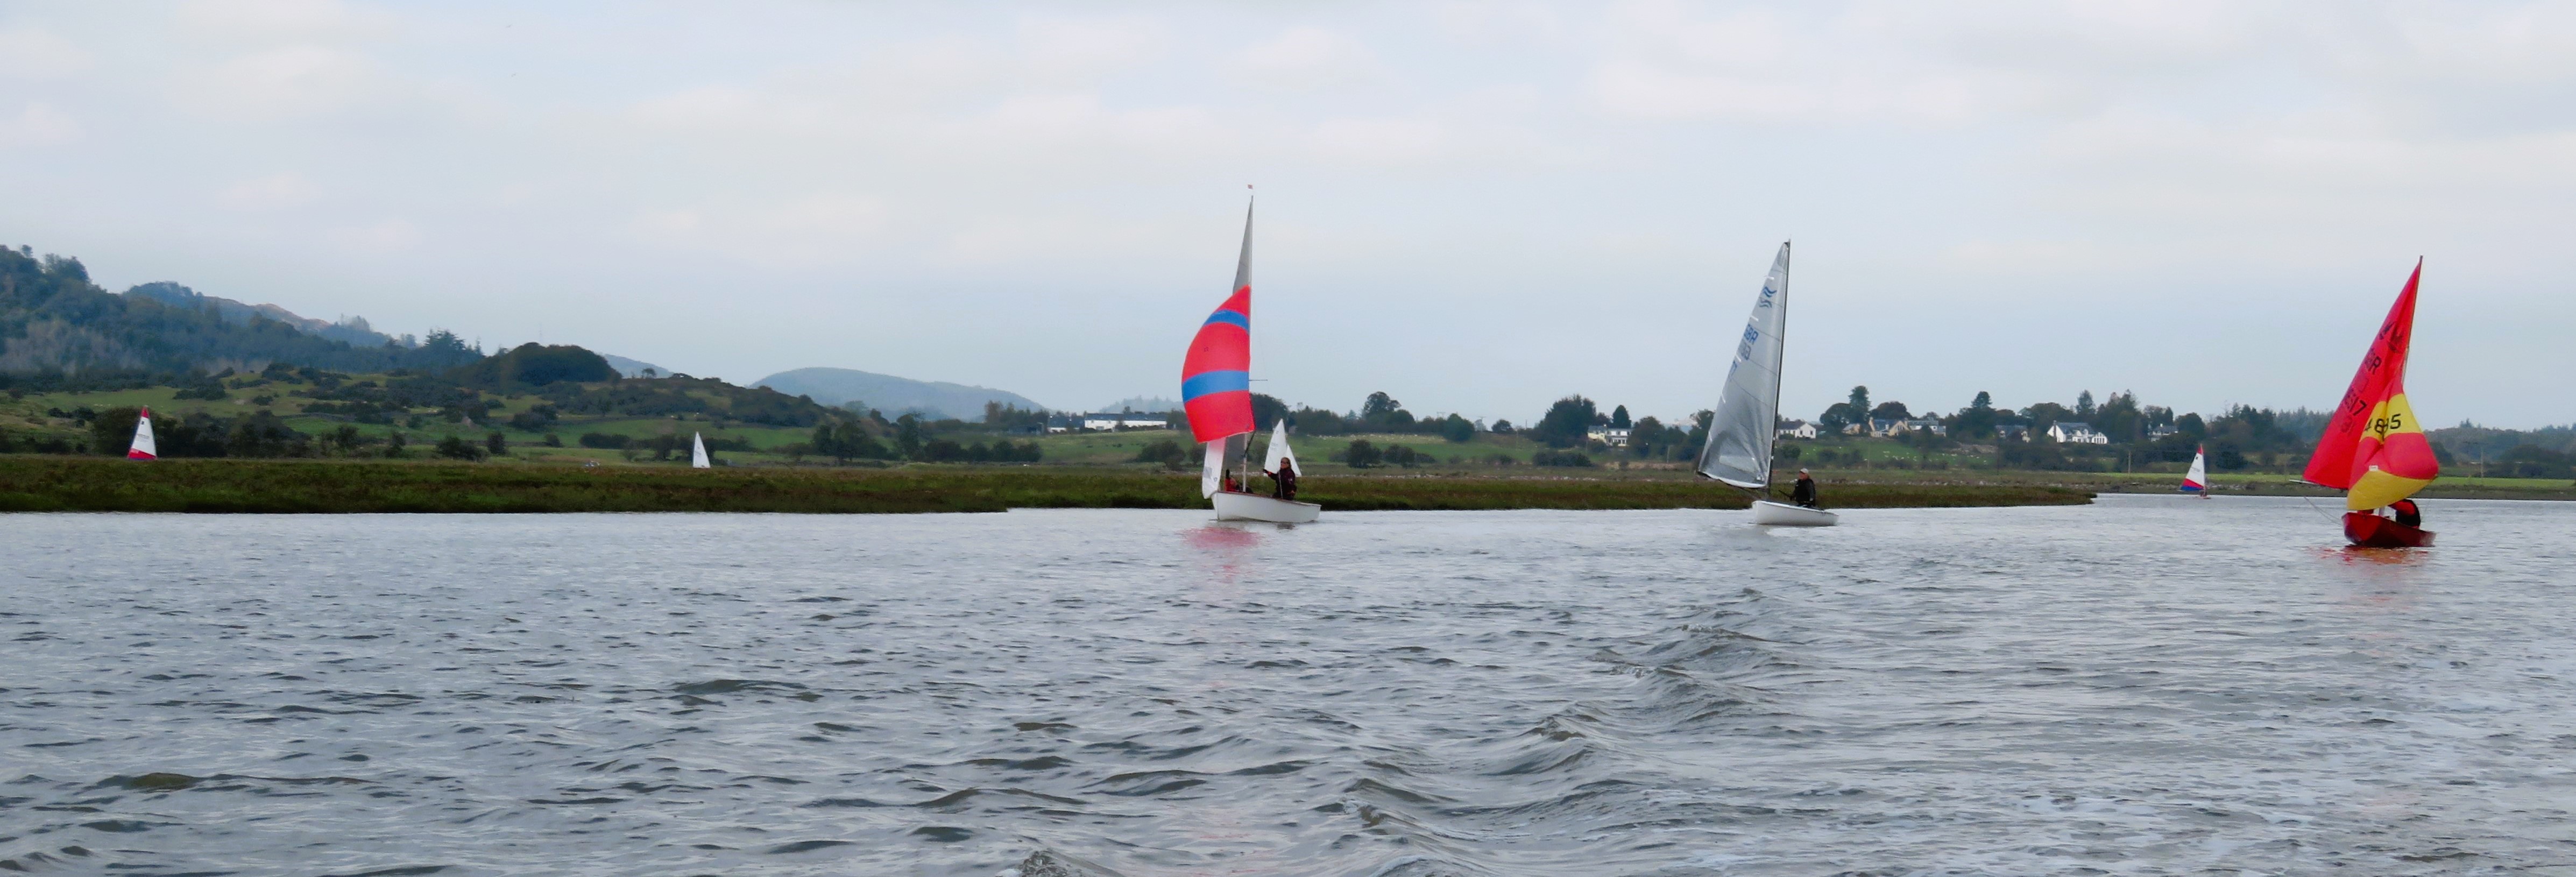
(1745, 422)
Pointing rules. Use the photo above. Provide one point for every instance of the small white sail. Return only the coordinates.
(1748, 408)
(698, 451)
(2196, 480)
(1269, 459)
(143, 448)
(1212, 470)
(1220, 454)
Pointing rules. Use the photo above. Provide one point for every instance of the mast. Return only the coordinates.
(1771, 463)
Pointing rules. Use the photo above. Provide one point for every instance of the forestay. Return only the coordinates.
(1748, 408)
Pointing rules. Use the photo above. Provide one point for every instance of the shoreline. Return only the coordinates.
(231, 486)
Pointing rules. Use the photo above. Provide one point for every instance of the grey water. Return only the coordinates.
(2146, 685)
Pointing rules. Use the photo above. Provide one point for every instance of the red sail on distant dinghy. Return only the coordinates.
(2374, 448)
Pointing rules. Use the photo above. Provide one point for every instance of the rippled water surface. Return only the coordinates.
(2142, 686)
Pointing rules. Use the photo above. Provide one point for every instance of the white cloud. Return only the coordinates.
(288, 189)
(290, 81)
(1379, 141)
(1307, 58)
(377, 238)
(798, 232)
(234, 22)
(29, 53)
(37, 125)
(1066, 51)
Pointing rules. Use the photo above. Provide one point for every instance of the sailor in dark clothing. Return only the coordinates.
(1805, 492)
(2407, 514)
(1286, 478)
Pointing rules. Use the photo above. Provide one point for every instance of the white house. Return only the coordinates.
(2076, 434)
(2013, 431)
(2158, 433)
(1926, 423)
(1125, 420)
(1797, 429)
(1614, 436)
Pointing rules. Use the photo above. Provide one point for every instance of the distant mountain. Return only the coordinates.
(633, 368)
(1143, 403)
(890, 394)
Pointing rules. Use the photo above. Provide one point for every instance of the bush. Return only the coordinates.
(496, 445)
(1164, 451)
(553, 440)
(457, 448)
(209, 392)
(1362, 454)
(534, 419)
(1399, 455)
(1560, 458)
(604, 441)
(1457, 429)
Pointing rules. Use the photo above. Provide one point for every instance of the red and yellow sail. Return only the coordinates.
(2374, 449)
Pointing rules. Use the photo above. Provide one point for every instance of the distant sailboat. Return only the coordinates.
(1747, 416)
(1216, 390)
(2374, 448)
(143, 447)
(698, 451)
(2196, 481)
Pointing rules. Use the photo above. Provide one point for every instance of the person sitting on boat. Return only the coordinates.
(1286, 479)
(1232, 485)
(2407, 514)
(1804, 493)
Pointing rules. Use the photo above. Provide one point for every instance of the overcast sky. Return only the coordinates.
(1477, 207)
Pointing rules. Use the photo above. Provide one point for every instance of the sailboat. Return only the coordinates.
(2374, 447)
(1747, 416)
(2196, 481)
(143, 447)
(1216, 391)
(698, 451)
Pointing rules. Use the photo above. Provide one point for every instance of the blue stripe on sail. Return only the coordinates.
(1226, 316)
(1204, 383)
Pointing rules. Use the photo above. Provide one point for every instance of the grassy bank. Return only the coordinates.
(41, 483)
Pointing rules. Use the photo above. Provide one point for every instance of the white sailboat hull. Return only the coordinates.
(1774, 514)
(1232, 506)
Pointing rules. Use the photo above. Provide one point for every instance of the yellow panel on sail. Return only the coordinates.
(2398, 459)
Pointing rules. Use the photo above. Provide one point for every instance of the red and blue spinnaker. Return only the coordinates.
(1216, 377)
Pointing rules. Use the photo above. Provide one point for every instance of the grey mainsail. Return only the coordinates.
(1748, 408)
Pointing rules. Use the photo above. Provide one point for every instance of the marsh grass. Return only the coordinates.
(42, 483)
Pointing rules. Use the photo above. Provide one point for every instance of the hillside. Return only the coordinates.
(53, 319)
(890, 394)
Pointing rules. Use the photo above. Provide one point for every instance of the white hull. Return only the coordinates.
(1255, 507)
(1785, 515)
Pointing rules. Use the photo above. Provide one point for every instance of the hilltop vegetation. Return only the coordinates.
(54, 320)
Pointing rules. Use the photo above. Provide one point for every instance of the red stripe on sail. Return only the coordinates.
(2338, 461)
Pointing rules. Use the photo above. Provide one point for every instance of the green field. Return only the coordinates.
(1856, 462)
(54, 483)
